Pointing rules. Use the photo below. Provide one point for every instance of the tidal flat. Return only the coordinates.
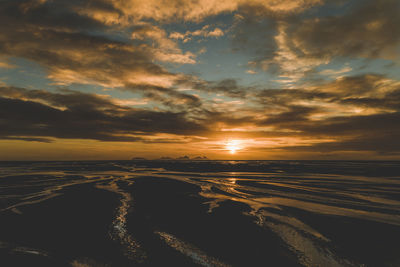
(200, 213)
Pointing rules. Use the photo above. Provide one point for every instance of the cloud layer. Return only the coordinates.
(324, 74)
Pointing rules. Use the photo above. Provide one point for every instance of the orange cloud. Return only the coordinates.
(161, 10)
(203, 32)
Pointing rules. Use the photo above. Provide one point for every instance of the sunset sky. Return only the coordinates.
(228, 79)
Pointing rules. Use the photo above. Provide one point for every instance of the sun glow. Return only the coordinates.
(233, 146)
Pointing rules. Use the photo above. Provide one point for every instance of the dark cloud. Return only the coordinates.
(254, 35)
(374, 133)
(75, 48)
(293, 46)
(227, 87)
(83, 116)
(354, 131)
(295, 114)
(332, 110)
(365, 125)
(30, 139)
(384, 144)
(391, 102)
(169, 97)
(368, 90)
(370, 29)
(284, 97)
(114, 45)
(37, 115)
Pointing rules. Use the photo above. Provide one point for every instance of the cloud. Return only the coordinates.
(172, 98)
(366, 85)
(29, 139)
(336, 73)
(349, 114)
(358, 113)
(76, 49)
(251, 72)
(65, 43)
(76, 46)
(203, 32)
(369, 93)
(134, 46)
(325, 117)
(172, 10)
(40, 114)
(291, 65)
(164, 48)
(375, 133)
(368, 30)
(4, 63)
(294, 46)
(228, 87)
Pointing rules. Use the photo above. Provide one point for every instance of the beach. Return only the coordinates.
(200, 213)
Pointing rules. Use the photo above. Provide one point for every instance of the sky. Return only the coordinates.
(226, 79)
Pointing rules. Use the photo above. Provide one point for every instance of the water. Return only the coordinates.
(200, 213)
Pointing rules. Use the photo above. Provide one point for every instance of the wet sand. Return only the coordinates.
(151, 213)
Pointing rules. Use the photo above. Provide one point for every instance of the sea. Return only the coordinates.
(200, 213)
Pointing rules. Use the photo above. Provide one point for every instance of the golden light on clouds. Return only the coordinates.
(160, 78)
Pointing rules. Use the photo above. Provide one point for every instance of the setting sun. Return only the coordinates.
(233, 146)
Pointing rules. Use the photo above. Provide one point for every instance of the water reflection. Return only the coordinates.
(191, 251)
(276, 200)
(329, 195)
(119, 231)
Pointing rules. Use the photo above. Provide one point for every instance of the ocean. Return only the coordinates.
(200, 213)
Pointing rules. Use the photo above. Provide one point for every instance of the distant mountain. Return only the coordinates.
(183, 158)
(165, 158)
(138, 158)
(195, 158)
(200, 158)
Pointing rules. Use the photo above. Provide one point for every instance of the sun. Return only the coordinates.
(233, 146)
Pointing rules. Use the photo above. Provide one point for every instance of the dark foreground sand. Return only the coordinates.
(119, 215)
